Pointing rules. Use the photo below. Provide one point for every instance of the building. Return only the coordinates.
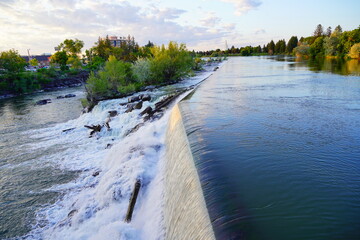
(116, 41)
(44, 60)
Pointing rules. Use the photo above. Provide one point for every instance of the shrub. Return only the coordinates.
(107, 82)
(141, 70)
(171, 63)
(355, 51)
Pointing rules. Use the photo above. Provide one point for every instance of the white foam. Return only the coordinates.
(94, 207)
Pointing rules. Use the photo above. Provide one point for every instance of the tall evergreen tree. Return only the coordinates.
(271, 47)
(328, 32)
(292, 43)
(319, 31)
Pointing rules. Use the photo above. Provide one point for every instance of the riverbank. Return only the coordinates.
(57, 82)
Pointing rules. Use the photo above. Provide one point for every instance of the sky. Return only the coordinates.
(40, 25)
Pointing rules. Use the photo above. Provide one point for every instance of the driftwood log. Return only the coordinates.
(133, 201)
(94, 128)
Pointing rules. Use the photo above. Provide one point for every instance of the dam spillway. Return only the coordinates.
(185, 211)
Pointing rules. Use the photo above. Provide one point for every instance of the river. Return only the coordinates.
(277, 146)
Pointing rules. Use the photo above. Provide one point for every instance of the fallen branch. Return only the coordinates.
(133, 201)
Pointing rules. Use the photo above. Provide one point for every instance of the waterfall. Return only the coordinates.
(185, 212)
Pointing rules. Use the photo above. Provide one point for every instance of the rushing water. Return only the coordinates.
(277, 148)
(65, 185)
(23, 177)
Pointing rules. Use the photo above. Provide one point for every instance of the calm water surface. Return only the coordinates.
(277, 147)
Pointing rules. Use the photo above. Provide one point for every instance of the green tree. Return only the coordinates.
(319, 31)
(316, 49)
(330, 46)
(102, 48)
(355, 51)
(75, 62)
(280, 46)
(61, 58)
(271, 47)
(110, 81)
(34, 62)
(171, 63)
(71, 47)
(328, 32)
(338, 31)
(302, 50)
(292, 43)
(11, 61)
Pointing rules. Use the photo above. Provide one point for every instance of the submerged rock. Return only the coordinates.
(133, 99)
(138, 105)
(112, 113)
(145, 97)
(70, 95)
(43, 102)
(147, 110)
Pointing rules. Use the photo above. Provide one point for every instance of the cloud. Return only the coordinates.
(243, 6)
(211, 20)
(46, 23)
(259, 31)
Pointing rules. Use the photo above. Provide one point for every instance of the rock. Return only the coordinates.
(112, 113)
(43, 102)
(138, 105)
(107, 123)
(60, 97)
(149, 88)
(147, 110)
(130, 107)
(133, 99)
(146, 97)
(72, 213)
(134, 129)
(70, 95)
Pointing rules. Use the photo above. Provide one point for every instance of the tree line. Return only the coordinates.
(322, 43)
(114, 71)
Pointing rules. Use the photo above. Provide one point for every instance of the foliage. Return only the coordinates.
(355, 51)
(319, 31)
(34, 62)
(61, 58)
(107, 82)
(197, 66)
(316, 49)
(330, 46)
(75, 62)
(96, 63)
(302, 51)
(141, 70)
(71, 47)
(292, 43)
(271, 47)
(169, 64)
(280, 46)
(11, 61)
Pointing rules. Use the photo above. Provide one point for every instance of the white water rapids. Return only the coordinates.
(94, 205)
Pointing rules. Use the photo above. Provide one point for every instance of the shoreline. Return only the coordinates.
(56, 84)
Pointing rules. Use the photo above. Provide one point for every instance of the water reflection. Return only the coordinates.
(332, 65)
